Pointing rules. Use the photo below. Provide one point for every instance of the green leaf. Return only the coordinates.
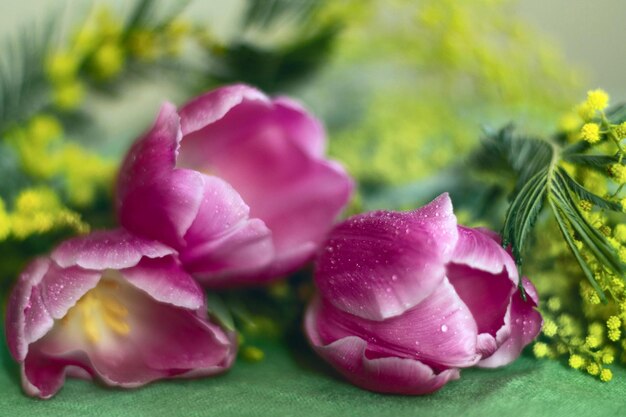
(266, 13)
(522, 214)
(585, 194)
(579, 147)
(275, 67)
(592, 238)
(530, 160)
(13, 178)
(597, 162)
(141, 13)
(219, 311)
(539, 177)
(23, 84)
(504, 151)
(147, 14)
(616, 114)
(570, 242)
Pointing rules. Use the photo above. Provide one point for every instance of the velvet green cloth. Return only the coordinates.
(292, 382)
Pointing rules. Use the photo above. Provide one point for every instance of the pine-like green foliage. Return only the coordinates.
(543, 180)
(254, 57)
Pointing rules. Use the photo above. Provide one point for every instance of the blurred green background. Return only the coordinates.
(591, 34)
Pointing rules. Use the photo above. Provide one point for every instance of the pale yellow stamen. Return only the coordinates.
(114, 307)
(119, 326)
(99, 311)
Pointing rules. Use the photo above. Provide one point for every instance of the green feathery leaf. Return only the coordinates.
(23, 86)
(522, 214)
(597, 162)
(585, 194)
(535, 163)
(617, 114)
(266, 13)
(219, 311)
(575, 251)
(274, 67)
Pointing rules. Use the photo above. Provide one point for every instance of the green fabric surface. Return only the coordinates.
(292, 382)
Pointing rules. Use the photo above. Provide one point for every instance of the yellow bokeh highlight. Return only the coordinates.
(597, 100)
(68, 96)
(39, 210)
(590, 132)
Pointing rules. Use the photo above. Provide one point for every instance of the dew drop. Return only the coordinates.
(444, 328)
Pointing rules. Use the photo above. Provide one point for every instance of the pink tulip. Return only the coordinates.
(407, 299)
(113, 307)
(237, 183)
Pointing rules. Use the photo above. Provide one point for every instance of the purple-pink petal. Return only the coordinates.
(212, 106)
(271, 153)
(305, 130)
(487, 295)
(407, 298)
(27, 318)
(485, 277)
(480, 249)
(166, 282)
(164, 208)
(147, 178)
(125, 327)
(223, 240)
(525, 325)
(61, 288)
(394, 375)
(231, 259)
(43, 376)
(440, 331)
(238, 184)
(114, 249)
(378, 265)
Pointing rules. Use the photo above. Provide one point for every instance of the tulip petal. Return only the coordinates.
(440, 331)
(178, 342)
(200, 215)
(111, 249)
(166, 282)
(62, 288)
(378, 265)
(277, 170)
(480, 249)
(348, 355)
(212, 106)
(306, 131)
(485, 277)
(525, 325)
(171, 202)
(223, 240)
(42, 295)
(27, 318)
(148, 178)
(290, 115)
(43, 376)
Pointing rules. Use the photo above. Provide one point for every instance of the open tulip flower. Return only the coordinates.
(407, 299)
(113, 307)
(237, 183)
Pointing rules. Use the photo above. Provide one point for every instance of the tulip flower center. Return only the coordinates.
(100, 311)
